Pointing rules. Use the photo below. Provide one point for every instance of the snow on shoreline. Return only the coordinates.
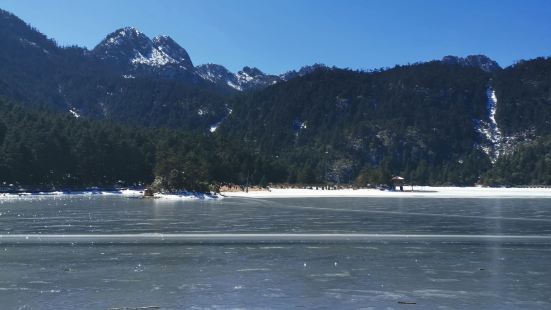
(418, 192)
(130, 193)
(60, 194)
(187, 195)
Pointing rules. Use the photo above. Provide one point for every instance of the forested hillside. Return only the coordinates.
(40, 148)
(416, 121)
(35, 71)
(524, 95)
(530, 164)
(524, 115)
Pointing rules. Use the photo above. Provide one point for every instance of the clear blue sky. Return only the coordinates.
(284, 34)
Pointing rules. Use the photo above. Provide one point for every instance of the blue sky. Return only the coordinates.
(277, 36)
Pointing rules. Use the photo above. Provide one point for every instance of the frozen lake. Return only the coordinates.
(423, 263)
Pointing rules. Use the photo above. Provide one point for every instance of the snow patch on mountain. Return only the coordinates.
(234, 86)
(244, 77)
(249, 77)
(215, 126)
(218, 75)
(210, 76)
(74, 113)
(157, 58)
(298, 125)
(488, 129)
(118, 36)
(172, 51)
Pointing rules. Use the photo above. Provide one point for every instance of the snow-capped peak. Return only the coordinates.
(249, 77)
(245, 79)
(136, 53)
(129, 31)
(248, 74)
(123, 44)
(120, 35)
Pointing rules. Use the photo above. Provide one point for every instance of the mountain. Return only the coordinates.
(434, 123)
(420, 121)
(249, 78)
(252, 78)
(36, 71)
(135, 54)
(246, 79)
(454, 121)
(218, 75)
(479, 61)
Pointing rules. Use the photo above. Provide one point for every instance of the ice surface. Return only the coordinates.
(503, 276)
(460, 253)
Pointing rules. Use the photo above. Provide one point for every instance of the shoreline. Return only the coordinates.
(128, 193)
(418, 192)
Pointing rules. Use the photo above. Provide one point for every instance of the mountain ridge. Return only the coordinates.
(445, 121)
(133, 54)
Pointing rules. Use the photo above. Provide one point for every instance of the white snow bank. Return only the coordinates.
(418, 192)
(124, 193)
(59, 194)
(187, 196)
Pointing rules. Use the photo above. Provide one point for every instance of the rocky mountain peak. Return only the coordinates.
(137, 54)
(125, 35)
(218, 75)
(170, 48)
(251, 71)
(123, 45)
